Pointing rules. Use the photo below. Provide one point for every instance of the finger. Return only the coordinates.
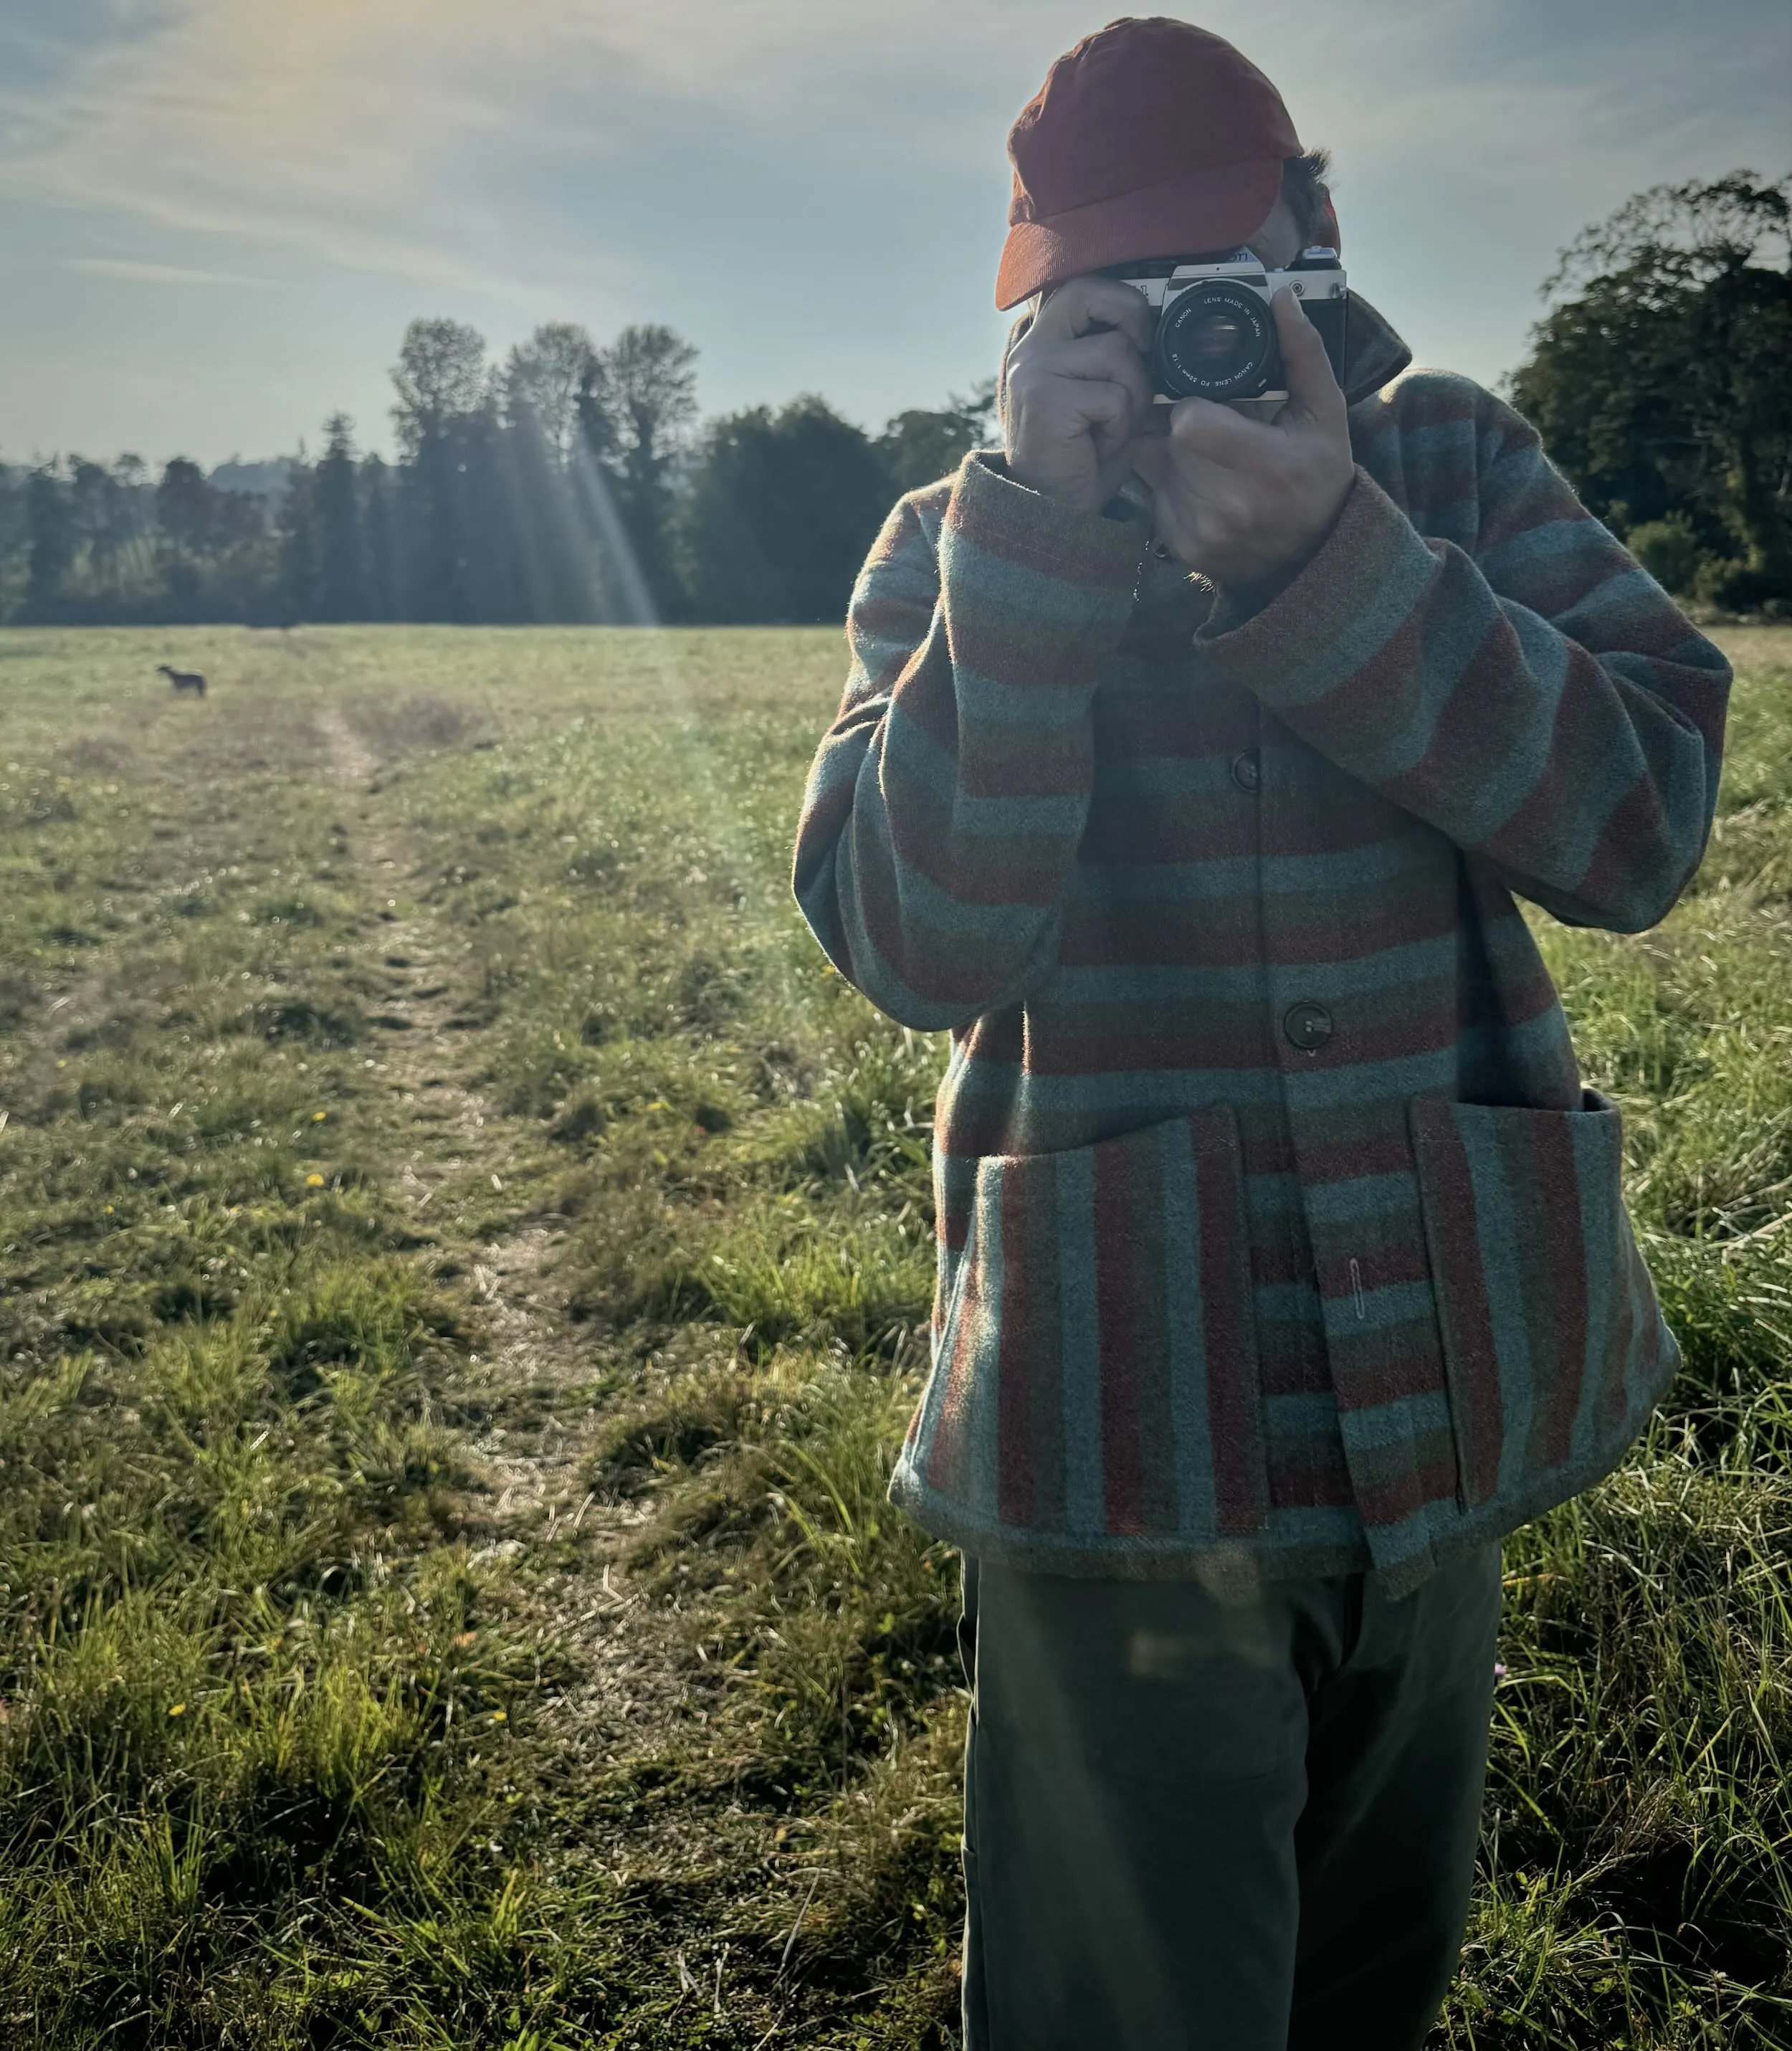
(1313, 385)
(1105, 409)
(1203, 428)
(1110, 419)
(1110, 357)
(1079, 306)
(1077, 403)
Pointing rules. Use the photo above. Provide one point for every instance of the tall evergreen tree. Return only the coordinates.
(13, 532)
(336, 507)
(383, 578)
(51, 541)
(299, 584)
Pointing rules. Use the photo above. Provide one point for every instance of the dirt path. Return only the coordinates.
(532, 1379)
(452, 1137)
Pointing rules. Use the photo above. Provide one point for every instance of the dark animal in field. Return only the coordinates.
(184, 680)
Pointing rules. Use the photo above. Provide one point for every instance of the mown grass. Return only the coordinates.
(294, 1752)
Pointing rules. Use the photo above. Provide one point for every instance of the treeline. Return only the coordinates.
(570, 483)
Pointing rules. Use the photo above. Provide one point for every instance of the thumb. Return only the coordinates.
(1313, 393)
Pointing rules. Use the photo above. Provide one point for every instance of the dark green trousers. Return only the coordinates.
(1237, 1817)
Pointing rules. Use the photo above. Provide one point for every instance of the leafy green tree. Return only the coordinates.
(543, 378)
(445, 416)
(781, 510)
(636, 406)
(557, 570)
(212, 547)
(919, 446)
(1668, 549)
(106, 521)
(440, 376)
(186, 516)
(1659, 378)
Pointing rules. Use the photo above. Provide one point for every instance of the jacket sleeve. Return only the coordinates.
(1529, 690)
(947, 802)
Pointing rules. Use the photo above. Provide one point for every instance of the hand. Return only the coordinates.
(1249, 502)
(1079, 394)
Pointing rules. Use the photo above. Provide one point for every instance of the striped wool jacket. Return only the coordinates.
(1276, 1232)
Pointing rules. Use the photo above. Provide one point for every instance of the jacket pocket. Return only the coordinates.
(1551, 1336)
(1096, 1373)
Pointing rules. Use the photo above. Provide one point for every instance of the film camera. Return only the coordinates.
(1215, 335)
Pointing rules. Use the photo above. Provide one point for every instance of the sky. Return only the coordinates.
(217, 216)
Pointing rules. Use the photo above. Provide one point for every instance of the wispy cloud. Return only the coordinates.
(401, 135)
(127, 270)
(323, 129)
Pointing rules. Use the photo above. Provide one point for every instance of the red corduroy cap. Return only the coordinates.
(1152, 137)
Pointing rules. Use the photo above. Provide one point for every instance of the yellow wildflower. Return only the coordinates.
(313, 1182)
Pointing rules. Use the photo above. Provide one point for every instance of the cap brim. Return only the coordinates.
(1183, 217)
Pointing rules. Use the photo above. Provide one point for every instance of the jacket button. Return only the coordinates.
(1248, 771)
(1307, 1026)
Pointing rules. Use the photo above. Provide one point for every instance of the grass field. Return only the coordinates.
(463, 1264)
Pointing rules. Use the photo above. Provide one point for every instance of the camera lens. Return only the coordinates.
(1215, 341)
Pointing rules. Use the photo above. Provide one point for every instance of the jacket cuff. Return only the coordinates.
(1354, 592)
(1023, 527)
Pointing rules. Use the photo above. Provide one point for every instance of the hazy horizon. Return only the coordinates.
(216, 219)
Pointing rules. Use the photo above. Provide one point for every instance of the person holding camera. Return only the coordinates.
(1197, 746)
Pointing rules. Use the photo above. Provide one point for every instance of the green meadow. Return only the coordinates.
(464, 1265)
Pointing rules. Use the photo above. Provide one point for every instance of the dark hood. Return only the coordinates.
(1374, 353)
